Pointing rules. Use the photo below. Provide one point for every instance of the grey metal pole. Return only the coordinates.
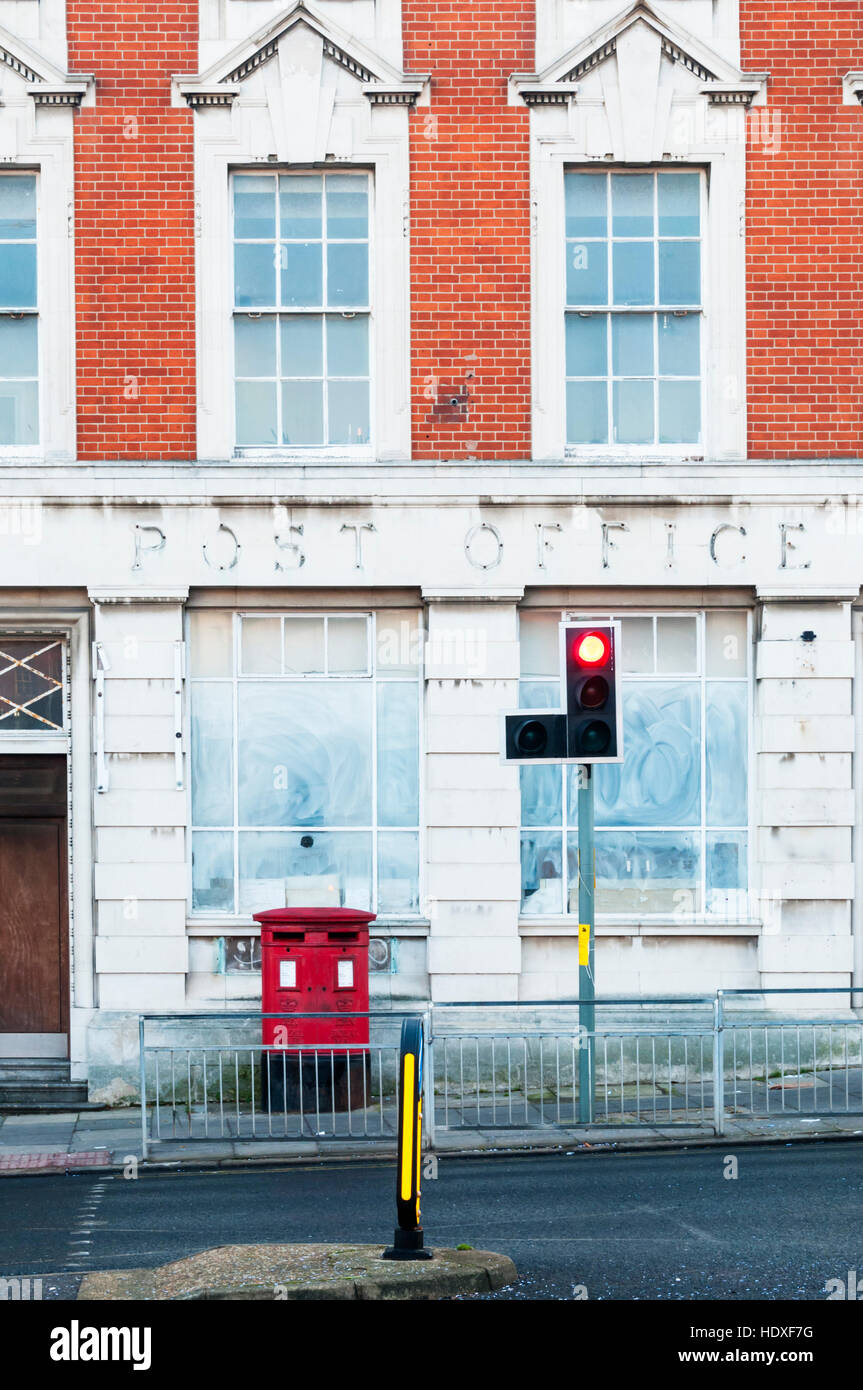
(586, 977)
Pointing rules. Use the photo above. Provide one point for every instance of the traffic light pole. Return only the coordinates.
(586, 988)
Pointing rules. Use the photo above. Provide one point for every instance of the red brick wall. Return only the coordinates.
(134, 231)
(804, 243)
(470, 230)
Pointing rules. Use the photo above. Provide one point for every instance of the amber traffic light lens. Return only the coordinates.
(531, 738)
(594, 693)
(595, 738)
(592, 649)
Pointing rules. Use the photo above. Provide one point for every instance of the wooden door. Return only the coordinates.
(33, 893)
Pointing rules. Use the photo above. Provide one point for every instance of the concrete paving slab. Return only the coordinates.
(289, 1273)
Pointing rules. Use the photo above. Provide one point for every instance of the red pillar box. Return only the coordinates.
(315, 960)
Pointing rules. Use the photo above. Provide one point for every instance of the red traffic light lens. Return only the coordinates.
(592, 649)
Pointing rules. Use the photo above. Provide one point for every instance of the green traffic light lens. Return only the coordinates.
(595, 738)
(531, 738)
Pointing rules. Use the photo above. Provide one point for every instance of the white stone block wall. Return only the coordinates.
(140, 874)
(472, 802)
(804, 738)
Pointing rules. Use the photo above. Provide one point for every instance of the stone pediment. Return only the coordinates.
(222, 83)
(48, 85)
(639, 42)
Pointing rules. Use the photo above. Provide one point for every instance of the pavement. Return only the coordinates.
(111, 1140)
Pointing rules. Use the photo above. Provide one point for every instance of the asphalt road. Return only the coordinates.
(664, 1226)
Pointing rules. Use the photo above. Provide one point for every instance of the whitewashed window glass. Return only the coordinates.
(19, 323)
(633, 308)
(302, 310)
(672, 821)
(305, 761)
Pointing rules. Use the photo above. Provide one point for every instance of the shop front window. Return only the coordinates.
(305, 761)
(672, 837)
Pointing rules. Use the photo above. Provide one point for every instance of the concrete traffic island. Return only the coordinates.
(303, 1272)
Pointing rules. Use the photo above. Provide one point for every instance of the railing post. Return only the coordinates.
(428, 1078)
(718, 1067)
(145, 1148)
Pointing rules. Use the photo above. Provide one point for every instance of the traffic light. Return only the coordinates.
(534, 736)
(594, 732)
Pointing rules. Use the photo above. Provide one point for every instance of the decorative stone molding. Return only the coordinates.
(198, 94)
(59, 94)
(551, 94)
(396, 93)
(131, 594)
(736, 93)
(852, 88)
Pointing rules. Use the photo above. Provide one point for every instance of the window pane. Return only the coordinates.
(399, 635)
(17, 275)
(633, 412)
(278, 870)
(727, 737)
(261, 646)
(302, 345)
(255, 273)
(586, 213)
(679, 345)
(398, 753)
(632, 204)
(677, 646)
(212, 726)
(302, 413)
(348, 412)
(301, 273)
(304, 646)
(398, 873)
(347, 346)
(31, 677)
(727, 643)
(256, 413)
(255, 346)
(300, 202)
(541, 873)
(347, 645)
(586, 345)
(679, 412)
(586, 412)
(659, 780)
(347, 206)
(586, 272)
(636, 643)
(539, 644)
(643, 872)
(305, 753)
(213, 871)
(727, 872)
(19, 412)
(348, 274)
(211, 643)
(632, 344)
(19, 345)
(679, 204)
(254, 207)
(17, 207)
(632, 269)
(679, 272)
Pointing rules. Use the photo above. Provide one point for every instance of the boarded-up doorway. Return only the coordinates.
(34, 992)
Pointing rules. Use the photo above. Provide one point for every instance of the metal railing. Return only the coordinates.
(654, 1062)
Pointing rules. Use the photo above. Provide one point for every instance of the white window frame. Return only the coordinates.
(684, 919)
(197, 917)
(312, 452)
(611, 310)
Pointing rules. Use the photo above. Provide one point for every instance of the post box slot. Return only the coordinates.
(289, 936)
(343, 936)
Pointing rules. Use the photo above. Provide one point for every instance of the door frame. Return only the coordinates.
(72, 622)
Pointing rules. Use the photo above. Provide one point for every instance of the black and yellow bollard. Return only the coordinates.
(408, 1239)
